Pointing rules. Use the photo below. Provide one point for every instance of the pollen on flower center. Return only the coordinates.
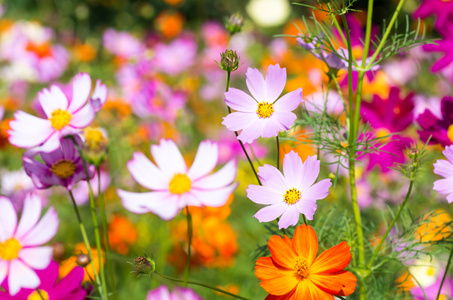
(301, 267)
(9, 249)
(292, 196)
(38, 295)
(450, 132)
(63, 168)
(60, 118)
(265, 110)
(179, 184)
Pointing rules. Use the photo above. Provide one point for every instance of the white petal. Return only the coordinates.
(214, 198)
(30, 215)
(52, 100)
(29, 131)
(8, 219)
(219, 179)
(83, 117)
(319, 190)
(146, 173)
(163, 204)
(3, 269)
(271, 212)
(21, 276)
(205, 160)
(44, 231)
(52, 143)
(168, 158)
(36, 257)
(263, 195)
(81, 88)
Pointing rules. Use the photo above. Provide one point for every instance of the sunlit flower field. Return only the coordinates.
(202, 149)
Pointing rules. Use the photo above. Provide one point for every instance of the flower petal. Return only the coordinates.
(283, 120)
(275, 82)
(310, 172)
(44, 231)
(256, 84)
(289, 217)
(253, 131)
(273, 178)
(51, 144)
(263, 195)
(444, 186)
(443, 168)
(292, 167)
(83, 117)
(30, 215)
(81, 87)
(168, 158)
(205, 160)
(28, 131)
(282, 252)
(8, 219)
(271, 212)
(52, 100)
(341, 283)
(219, 179)
(332, 260)
(240, 101)
(21, 276)
(317, 191)
(214, 198)
(70, 282)
(36, 257)
(289, 101)
(448, 153)
(274, 279)
(146, 173)
(307, 207)
(99, 95)
(163, 204)
(239, 120)
(305, 243)
(3, 269)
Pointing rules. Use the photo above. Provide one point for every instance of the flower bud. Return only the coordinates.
(229, 60)
(58, 251)
(83, 260)
(234, 23)
(144, 265)
(95, 144)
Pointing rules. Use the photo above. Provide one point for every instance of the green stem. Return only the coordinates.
(189, 245)
(278, 153)
(445, 273)
(369, 19)
(203, 285)
(305, 220)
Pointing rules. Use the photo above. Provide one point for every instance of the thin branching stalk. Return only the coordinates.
(445, 273)
(189, 245)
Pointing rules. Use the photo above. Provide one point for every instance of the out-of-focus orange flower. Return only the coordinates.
(5, 25)
(84, 52)
(231, 288)
(294, 272)
(4, 127)
(169, 24)
(174, 2)
(67, 265)
(291, 29)
(405, 282)
(42, 50)
(436, 226)
(118, 105)
(304, 150)
(122, 234)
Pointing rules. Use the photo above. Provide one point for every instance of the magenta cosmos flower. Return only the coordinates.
(62, 166)
(444, 168)
(162, 293)
(67, 288)
(263, 115)
(20, 244)
(291, 193)
(173, 186)
(64, 116)
(439, 129)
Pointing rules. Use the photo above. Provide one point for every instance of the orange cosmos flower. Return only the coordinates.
(294, 272)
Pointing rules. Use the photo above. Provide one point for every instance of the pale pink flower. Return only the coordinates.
(162, 293)
(444, 168)
(64, 116)
(263, 115)
(20, 243)
(173, 185)
(289, 194)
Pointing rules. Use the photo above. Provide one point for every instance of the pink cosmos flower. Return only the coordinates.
(122, 44)
(162, 293)
(69, 287)
(263, 115)
(20, 243)
(81, 189)
(291, 193)
(64, 117)
(173, 186)
(444, 168)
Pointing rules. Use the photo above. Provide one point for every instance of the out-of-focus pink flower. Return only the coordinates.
(177, 56)
(289, 194)
(69, 287)
(16, 185)
(443, 9)
(173, 186)
(423, 103)
(62, 166)
(81, 190)
(122, 44)
(263, 115)
(64, 116)
(229, 148)
(440, 129)
(444, 168)
(162, 293)
(445, 46)
(318, 101)
(20, 243)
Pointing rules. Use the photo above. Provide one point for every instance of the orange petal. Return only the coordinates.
(332, 260)
(283, 297)
(305, 243)
(316, 293)
(341, 283)
(282, 252)
(274, 279)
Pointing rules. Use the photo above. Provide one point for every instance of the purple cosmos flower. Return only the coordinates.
(444, 168)
(62, 166)
(20, 243)
(263, 115)
(440, 129)
(177, 56)
(162, 293)
(67, 288)
(175, 187)
(443, 9)
(289, 194)
(64, 117)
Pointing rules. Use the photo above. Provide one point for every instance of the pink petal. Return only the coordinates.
(30, 215)
(253, 131)
(448, 153)
(289, 102)
(306, 207)
(81, 87)
(271, 212)
(44, 231)
(450, 198)
(146, 173)
(21, 276)
(52, 144)
(271, 177)
(219, 179)
(255, 84)
(310, 172)
(205, 160)
(292, 168)
(240, 101)
(160, 293)
(271, 127)
(263, 195)
(83, 117)
(239, 120)
(52, 100)
(319, 190)
(3, 269)
(444, 186)
(275, 82)
(163, 204)
(284, 119)
(168, 158)
(99, 95)
(70, 282)
(443, 168)
(289, 217)
(36, 257)
(28, 131)
(8, 219)
(215, 198)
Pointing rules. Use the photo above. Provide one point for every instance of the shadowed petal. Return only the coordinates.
(21, 276)
(273, 178)
(83, 117)
(332, 260)
(448, 153)
(282, 252)
(443, 168)
(251, 132)
(306, 207)
(444, 186)
(341, 283)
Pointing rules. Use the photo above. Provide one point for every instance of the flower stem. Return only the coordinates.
(189, 245)
(203, 285)
(445, 274)
(278, 153)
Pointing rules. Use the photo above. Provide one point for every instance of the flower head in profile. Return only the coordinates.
(178, 293)
(289, 194)
(20, 242)
(444, 168)
(173, 185)
(263, 115)
(294, 271)
(64, 116)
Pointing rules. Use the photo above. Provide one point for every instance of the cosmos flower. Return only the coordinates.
(173, 185)
(444, 168)
(440, 129)
(443, 9)
(178, 293)
(20, 243)
(69, 264)
(68, 287)
(64, 116)
(291, 193)
(445, 46)
(122, 44)
(263, 115)
(294, 272)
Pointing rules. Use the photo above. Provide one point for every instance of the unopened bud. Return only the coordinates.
(95, 145)
(83, 260)
(229, 61)
(144, 265)
(58, 251)
(234, 23)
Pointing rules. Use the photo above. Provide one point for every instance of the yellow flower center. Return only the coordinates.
(381, 132)
(63, 168)
(60, 118)
(265, 110)
(292, 196)
(179, 184)
(301, 267)
(94, 138)
(9, 249)
(38, 295)
(450, 132)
